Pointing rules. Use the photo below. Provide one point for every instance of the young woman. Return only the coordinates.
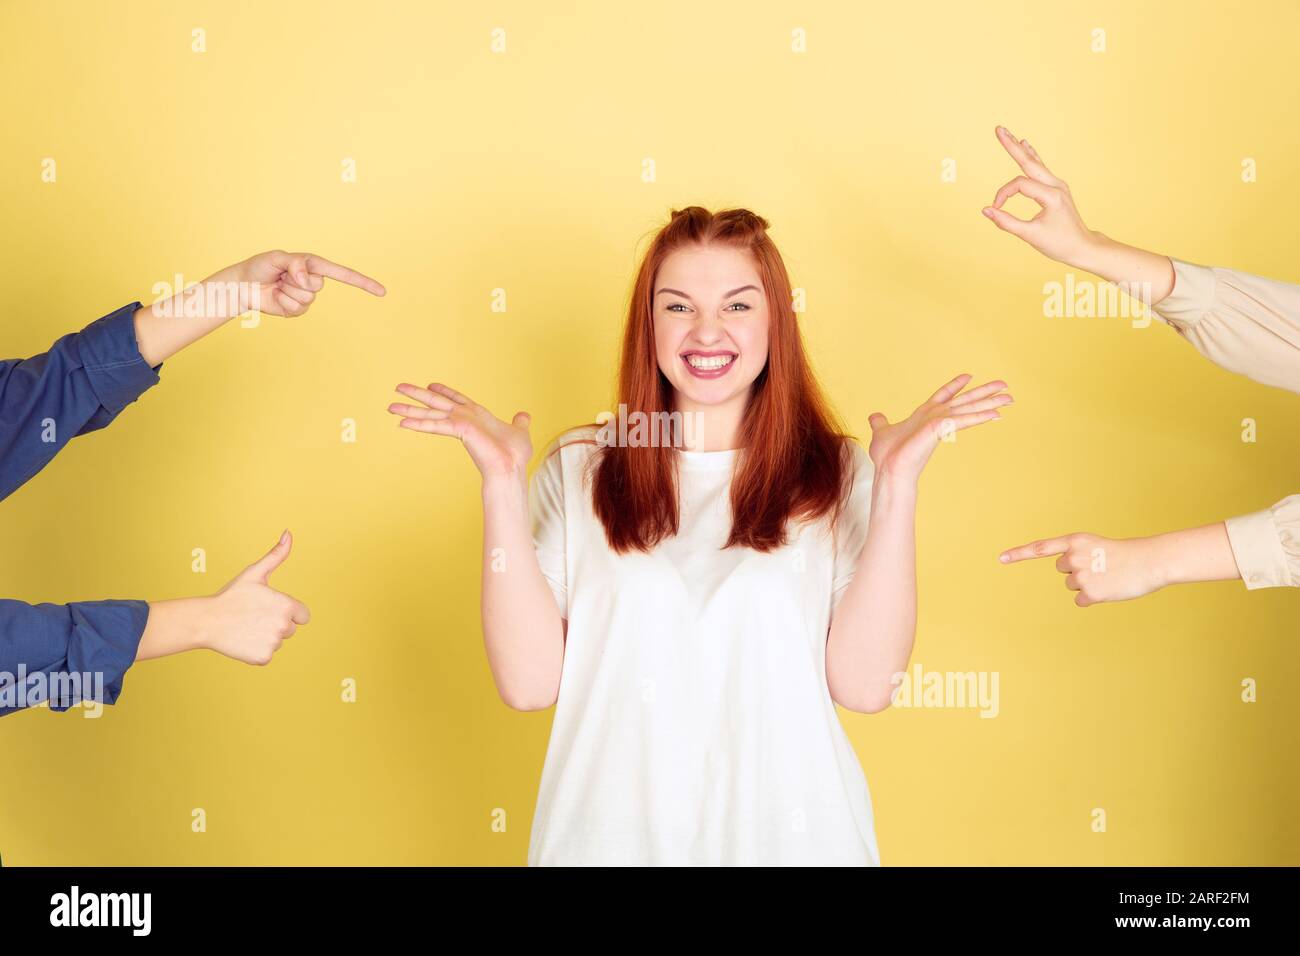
(80, 652)
(1242, 322)
(698, 608)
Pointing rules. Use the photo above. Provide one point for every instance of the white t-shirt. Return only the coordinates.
(694, 725)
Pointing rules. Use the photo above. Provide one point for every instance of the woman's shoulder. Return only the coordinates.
(570, 448)
(580, 437)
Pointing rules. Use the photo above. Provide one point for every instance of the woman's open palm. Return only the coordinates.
(902, 448)
(498, 448)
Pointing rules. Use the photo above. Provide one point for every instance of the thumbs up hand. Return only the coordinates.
(248, 620)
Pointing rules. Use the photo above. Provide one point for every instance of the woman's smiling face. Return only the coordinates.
(711, 324)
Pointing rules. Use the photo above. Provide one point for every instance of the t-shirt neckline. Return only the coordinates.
(708, 459)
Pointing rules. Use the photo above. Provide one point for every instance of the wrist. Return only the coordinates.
(233, 273)
(207, 304)
(891, 489)
(1192, 555)
(228, 294)
(174, 627)
(1163, 561)
(1093, 252)
(505, 486)
(199, 630)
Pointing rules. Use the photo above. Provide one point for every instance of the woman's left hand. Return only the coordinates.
(901, 449)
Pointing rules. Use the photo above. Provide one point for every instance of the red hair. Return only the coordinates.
(794, 461)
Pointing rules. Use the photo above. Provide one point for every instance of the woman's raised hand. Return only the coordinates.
(499, 449)
(1058, 231)
(901, 449)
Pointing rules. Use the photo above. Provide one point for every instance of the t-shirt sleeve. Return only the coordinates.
(851, 528)
(546, 510)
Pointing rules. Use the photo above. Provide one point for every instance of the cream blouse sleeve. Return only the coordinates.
(1244, 323)
(1251, 325)
(1266, 545)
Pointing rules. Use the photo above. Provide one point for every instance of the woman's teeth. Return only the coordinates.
(710, 362)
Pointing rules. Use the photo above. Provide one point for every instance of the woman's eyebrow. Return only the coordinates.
(727, 296)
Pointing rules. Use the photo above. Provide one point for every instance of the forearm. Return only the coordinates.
(522, 629)
(170, 324)
(1194, 554)
(874, 626)
(1144, 275)
(172, 628)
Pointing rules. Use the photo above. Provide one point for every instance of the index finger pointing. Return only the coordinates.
(332, 270)
(1035, 549)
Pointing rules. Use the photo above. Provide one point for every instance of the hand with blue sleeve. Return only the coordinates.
(87, 378)
(82, 384)
(271, 283)
(68, 654)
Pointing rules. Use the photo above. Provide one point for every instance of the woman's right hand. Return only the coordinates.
(523, 631)
(499, 449)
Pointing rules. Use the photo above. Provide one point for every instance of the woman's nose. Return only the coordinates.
(709, 328)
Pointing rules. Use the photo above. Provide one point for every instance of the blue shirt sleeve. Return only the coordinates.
(81, 384)
(66, 654)
(76, 652)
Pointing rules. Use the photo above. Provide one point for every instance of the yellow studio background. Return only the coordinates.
(522, 170)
